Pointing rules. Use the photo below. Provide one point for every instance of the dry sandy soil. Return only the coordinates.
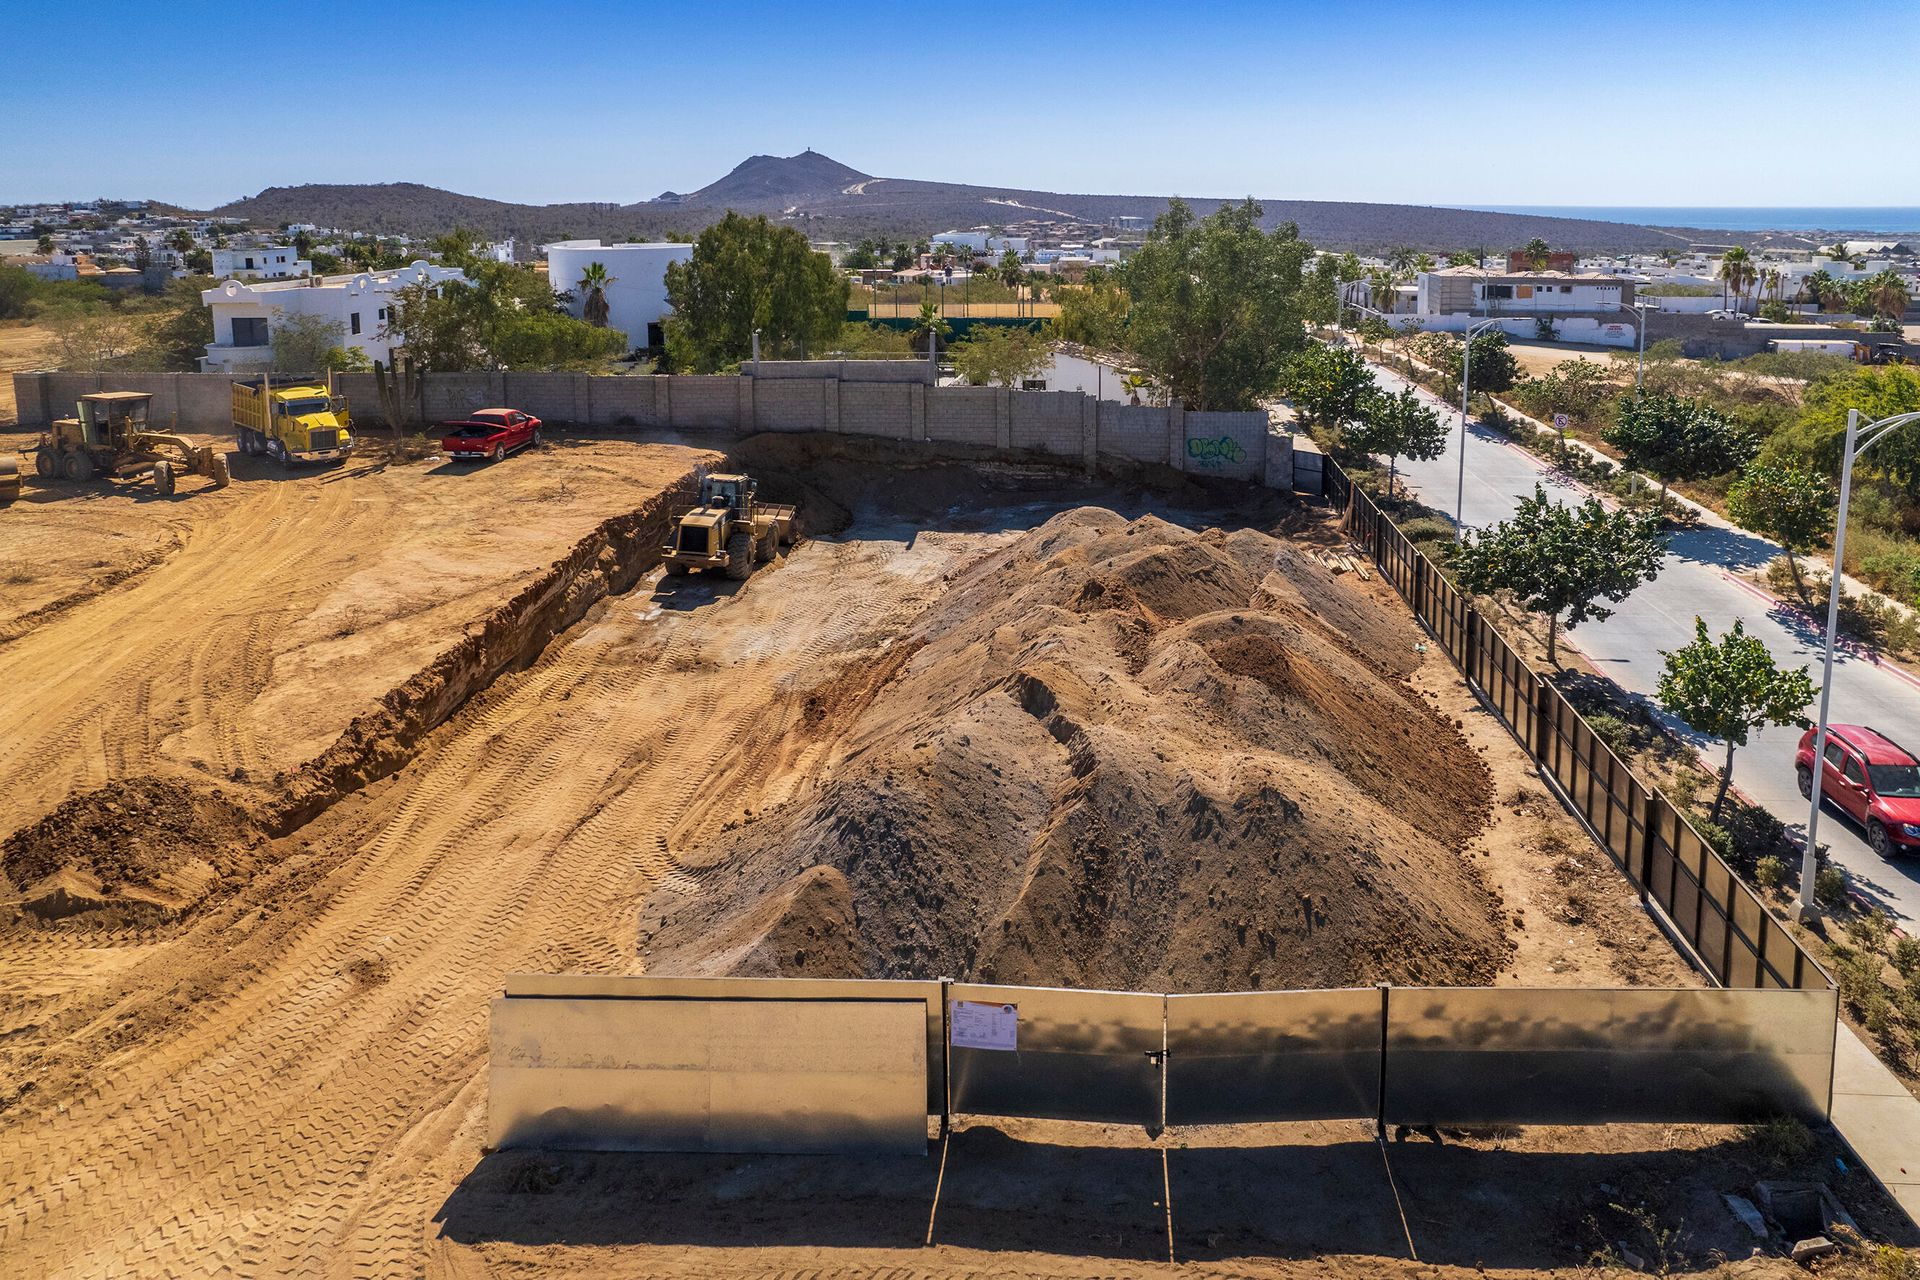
(23, 345)
(288, 1074)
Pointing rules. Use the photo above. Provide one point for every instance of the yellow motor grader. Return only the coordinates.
(731, 529)
(112, 435)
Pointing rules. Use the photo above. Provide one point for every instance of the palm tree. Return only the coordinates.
(1889, 295)
(928, 327)
(1401, 260)
(1538, 254)
(1424, 262)
(1736, 272)
(593, 287)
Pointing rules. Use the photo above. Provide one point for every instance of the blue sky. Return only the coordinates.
(1695, 102)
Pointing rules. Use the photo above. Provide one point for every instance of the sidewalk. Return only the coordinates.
(1879, 1119)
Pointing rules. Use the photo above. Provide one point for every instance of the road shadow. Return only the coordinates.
(1731, 549)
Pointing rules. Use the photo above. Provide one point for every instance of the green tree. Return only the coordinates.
(44, 245)
(1562, 561)
(1726, 689)
(1538, 254)
(929, 328)
(1094, 315)
(1330, 385)
(546, 340)
(1000, 356)
(748, 274)
(1216, 304)
(184, 329)
(1459, 258)
(1787, 501)
(302, 343)
(1677, 438)
(1877, 393)
(593, 288)
(18, 287)
(1398, 425)
(1888, 294)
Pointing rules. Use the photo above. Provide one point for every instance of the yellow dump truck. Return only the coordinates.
(295, 423)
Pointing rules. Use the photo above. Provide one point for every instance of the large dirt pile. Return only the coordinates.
(133, 848)
(1123, 754)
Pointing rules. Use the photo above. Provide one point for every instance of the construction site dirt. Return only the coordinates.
(299, 771)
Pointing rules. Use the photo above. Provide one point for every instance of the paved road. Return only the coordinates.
(1698, 579)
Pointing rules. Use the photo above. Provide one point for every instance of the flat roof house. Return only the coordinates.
(637, 294)
(272, 262)
(245, 312)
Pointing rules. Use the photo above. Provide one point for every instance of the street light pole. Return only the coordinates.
(1858, 442)
(1640, 373)
(1466, 389)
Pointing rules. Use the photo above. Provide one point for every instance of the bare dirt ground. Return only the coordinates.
(291, 1078)
(23, 345)
(1539, 358)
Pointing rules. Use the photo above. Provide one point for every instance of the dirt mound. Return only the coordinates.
(1123, 754)
(141, 842)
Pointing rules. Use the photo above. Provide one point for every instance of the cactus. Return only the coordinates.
(399, 390)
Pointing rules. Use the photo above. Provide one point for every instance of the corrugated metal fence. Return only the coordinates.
(1722, 920)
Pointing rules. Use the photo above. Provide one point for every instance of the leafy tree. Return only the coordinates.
(1787, 501)
(1331, 385)
(44, 245)
(1562, 561)
(1538, 254)
(17, 290)
(872, 340)
(1459, 258)
(302, 343)
(997, 355)
(593, 285)
(93, 337)
(747, 274)
(1727, 688)
(1877, 393)
(1092, 314)
(501, 316)
(546, 340)
(1677, 438)
(1396, 425)
(928, 327)
(1216, 304)
(185, 326)
(1493, 367)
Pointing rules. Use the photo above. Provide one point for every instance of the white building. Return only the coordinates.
(272, 262)
(244, 313)
(980, 241)
(637, 293)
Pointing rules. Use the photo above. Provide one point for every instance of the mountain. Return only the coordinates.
(833, 201)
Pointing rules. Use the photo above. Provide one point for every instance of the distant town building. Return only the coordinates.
(274, 262)
(637, 293)
(1517, 260)
(980, 240)
(245, 312)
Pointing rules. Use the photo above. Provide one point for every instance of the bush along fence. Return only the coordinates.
(1730, 932)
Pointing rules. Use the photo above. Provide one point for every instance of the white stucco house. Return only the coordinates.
(637, 297)
(244, 312)
(272, 262)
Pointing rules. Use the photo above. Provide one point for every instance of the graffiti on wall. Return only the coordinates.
(1221, 452)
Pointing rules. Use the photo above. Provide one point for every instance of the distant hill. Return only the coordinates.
(833, 201)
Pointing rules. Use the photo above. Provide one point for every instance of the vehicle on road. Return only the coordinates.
(489, 433)
(1723, 313)
(112, 435)
(731, 529)
(297, 423)
(1873, 780)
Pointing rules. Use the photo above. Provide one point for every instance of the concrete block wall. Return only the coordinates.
(1048, 421)
(1062, 424)
(1138, 432)
(846, 370)
(1233, 445)
(965, 415)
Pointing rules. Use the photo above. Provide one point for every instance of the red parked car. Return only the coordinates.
(1871, 779)
(489, 433)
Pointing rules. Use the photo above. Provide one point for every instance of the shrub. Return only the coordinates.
(1830, 887)
(1870, 931)
(1619, 736)
(1781, 1142)
(1769, 871)
(1906, 957)
(1755, 833)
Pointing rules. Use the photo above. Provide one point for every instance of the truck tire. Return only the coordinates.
(163, 479)
(740, 556)
(763, 546)
(78, 466)
(278, 452)
(46, 463)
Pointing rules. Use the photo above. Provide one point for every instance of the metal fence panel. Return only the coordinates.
(1262, 1056)
(613, 1074)
(1079, 1055)
(596, 986)
(1543, 1056)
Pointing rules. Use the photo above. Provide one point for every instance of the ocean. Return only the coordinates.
(1894, 220)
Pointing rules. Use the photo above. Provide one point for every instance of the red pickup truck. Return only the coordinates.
(489, 433)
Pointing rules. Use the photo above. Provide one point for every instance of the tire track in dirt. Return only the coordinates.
(277, 1132)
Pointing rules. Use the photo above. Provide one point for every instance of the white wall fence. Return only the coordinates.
(880, 399)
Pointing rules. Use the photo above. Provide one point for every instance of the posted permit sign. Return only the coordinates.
(977, 1025)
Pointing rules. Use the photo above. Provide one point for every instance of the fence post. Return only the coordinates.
(1380, 1093)
(1545, 726)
